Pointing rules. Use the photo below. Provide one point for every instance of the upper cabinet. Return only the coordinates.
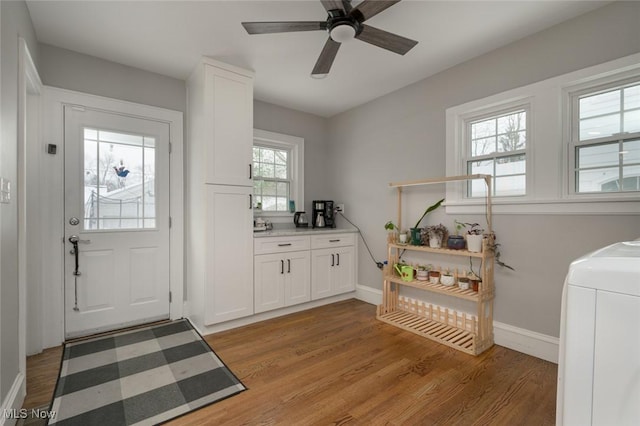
(221, 123)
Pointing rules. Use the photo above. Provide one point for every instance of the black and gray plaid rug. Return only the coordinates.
(144, 376)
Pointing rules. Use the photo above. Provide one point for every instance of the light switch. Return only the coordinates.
(5, 190)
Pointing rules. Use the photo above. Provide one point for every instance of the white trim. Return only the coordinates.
(526, 341)
(519, 339)
(548, 193)
(272, 314)
(14, 399)
(296, 145)
(52, 184)
(368, 294)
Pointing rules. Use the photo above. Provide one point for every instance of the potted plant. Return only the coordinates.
(474, 281)
(456, 242)
(435, 235)
(474, 237)
(434, 276)
(415, 231)
(422, 272)
(393, 231)
(463, 283)
(447, 278)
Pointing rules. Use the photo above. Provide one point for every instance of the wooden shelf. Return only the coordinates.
(472, 334)
(454, 337)
(436, 288)
(449, 252)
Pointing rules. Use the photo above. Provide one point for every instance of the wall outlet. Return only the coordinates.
(340, 208)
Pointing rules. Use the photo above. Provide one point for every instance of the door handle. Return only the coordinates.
(281, 266)
(74, 239)
(250, 201)
(333, 259)
(338, 257)
(288, 266)
(250, 171)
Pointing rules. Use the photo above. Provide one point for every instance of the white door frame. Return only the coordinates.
(52, 172)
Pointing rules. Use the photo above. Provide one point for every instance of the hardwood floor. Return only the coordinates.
(338, 365)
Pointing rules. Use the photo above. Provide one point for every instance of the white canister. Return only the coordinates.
(447, 280)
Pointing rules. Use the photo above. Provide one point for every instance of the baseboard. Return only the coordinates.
(368, 294)
(13, 402)
(205, 330)
(519, 339)
(526, 341)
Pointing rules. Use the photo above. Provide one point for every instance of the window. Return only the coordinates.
(119, 180)
(272, 178)
(497, 146)
(605, 139)
(277, 173)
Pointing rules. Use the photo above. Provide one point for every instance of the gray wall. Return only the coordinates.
(70, 70)
(15, 22)
(313, 129)
(402, 136)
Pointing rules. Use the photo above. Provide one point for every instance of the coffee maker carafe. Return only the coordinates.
(326, 217)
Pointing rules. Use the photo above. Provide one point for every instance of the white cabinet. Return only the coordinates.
(219, 219)
(281, 279)
(221, 117)
(229, 254)
(332, 265)
(281, 272)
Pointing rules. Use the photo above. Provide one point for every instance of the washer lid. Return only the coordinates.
(613, 268)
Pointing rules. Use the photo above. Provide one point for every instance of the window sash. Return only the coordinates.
(475, 191)
(280, 206)
(577, 143)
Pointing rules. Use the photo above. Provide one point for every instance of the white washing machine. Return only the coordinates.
(599, 362)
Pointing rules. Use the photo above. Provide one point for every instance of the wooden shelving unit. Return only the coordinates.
(470, 333)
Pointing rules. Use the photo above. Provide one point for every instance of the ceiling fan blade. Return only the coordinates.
(370, 8)
(283, 27)
(386, 40)
(332, 5)
(325, 60)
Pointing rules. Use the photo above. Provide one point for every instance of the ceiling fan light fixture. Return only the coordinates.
(342, 33)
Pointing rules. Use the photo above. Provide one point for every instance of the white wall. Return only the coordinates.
(16, 22)
(402, 136)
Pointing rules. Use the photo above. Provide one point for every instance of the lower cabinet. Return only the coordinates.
(281, 279)
(332, 265)
(290, 270)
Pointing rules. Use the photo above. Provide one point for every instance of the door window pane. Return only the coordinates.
(119, 180)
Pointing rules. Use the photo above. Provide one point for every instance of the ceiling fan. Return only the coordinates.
(343, 23)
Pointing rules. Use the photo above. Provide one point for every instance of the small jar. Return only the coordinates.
(463, 283)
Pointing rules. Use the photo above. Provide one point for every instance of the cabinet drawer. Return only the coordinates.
(332, 240)
(268, 245)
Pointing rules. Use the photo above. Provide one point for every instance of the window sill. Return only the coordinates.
(620, 205)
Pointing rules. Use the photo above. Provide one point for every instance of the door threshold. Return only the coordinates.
(118, 330)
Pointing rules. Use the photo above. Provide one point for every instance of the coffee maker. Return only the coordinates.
(323, 209)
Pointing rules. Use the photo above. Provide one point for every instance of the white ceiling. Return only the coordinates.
(168, 37)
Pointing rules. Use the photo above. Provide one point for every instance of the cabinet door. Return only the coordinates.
(229, 103)
(298, 277)
(229, 257)
(269, 281)
(344, 271)
(322, 264)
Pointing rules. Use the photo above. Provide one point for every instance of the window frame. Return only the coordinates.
(572, 122)
(295, 146)
(496, 112)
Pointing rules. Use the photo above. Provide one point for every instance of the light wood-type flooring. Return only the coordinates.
(338, 365)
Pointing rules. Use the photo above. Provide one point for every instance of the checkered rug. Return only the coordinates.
(144, 376)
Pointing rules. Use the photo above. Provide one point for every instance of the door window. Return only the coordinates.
(119, 180)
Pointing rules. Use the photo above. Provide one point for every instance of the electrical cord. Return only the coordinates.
(380, 265)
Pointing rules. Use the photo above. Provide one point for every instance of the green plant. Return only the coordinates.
(429, 210)
(390, 226)
(436, 231)
(459, 226)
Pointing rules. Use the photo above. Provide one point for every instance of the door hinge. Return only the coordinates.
(170, 221)
(170, 147)
(170, 297)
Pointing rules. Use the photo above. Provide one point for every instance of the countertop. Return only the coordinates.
(286, 230)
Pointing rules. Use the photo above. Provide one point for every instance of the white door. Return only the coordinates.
(117, 207)
(269, 277)
(298, 281)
